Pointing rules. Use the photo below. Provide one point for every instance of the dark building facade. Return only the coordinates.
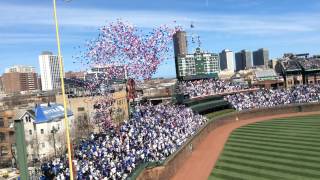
(180, 43)
(180, 47)
(261, 57)
(243, 60)
(240, 64)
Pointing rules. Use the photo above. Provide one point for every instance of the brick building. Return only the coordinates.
(15, 82)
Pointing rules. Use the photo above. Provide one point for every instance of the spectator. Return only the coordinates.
(264, 98)
(206, 87)
(153, 134)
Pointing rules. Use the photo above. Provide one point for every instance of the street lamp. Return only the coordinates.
(54, 131)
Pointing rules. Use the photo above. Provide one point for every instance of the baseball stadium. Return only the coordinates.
(211, 129)
(160, 90)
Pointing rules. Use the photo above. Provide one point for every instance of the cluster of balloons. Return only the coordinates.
(123, 44)
(123, 51)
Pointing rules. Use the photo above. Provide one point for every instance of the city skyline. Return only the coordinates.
(282, 27)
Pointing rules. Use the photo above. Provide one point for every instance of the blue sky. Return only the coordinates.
(27, 29)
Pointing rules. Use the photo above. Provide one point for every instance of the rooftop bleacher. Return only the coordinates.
(290, 65)
(310, 64)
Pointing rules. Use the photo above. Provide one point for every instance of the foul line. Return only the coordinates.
(66, 123)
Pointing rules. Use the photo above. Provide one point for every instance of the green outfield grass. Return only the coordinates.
(279, 149)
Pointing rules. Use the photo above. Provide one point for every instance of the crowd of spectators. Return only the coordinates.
(152, 134)
(290, 65)
(264, 98)
(310, 63)
(207, 87)
(155, 132)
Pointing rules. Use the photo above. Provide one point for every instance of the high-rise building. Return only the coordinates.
(240, 64)
(227, 60)
(21, 69)
(199, 64)
(19, 78)
(50, 71)
(180, 43)
(261, 57)
(180, 47)
(247, 58)
(243, 60)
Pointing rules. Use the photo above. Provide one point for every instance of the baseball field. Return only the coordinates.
(287, 148)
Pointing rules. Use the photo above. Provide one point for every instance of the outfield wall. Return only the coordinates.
(168, 168)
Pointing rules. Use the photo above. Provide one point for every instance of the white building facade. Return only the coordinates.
(49, 71)
(21, 69)
(227, 60)
(198, 64)
(45, 130)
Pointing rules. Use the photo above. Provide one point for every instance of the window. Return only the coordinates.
(42, 131)
(1, 122)
(28, 119)
(43, 145)
(4, 151)
(2, 136)
(80, 109)
(30, 132)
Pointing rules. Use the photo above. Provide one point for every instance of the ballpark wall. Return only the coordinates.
(176, 160)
